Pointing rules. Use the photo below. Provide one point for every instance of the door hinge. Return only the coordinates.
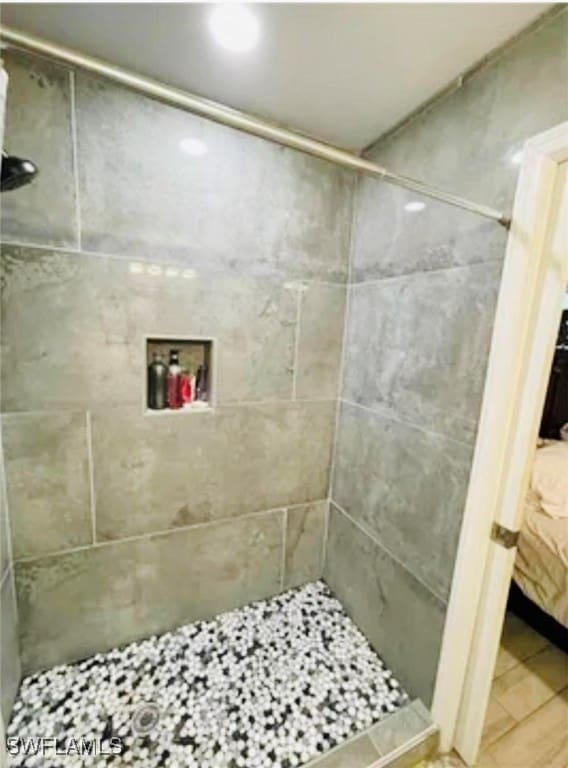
(504, 536)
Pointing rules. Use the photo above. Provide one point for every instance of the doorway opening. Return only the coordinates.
(529, 310)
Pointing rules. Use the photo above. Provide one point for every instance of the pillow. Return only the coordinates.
(550, 477)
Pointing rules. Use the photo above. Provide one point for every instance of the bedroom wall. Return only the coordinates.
(127, 524)
(421, 303)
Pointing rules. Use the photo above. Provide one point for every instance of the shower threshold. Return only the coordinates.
(276, 684)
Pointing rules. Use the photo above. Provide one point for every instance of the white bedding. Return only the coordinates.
(541, 565)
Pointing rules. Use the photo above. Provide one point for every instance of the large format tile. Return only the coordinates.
(417, 346)
(407, 486)
(5, 532)
(110, 595)
(305, 530)
(528, 686)
(47, 480)
(497, 722)
(158, 472)
(246, 205)
(77, 324)
(9, 657)
(389, 241)
(322, 315)
(518, 642)
(540, 741)
(400, 617)
(463, 144)
(38, 127)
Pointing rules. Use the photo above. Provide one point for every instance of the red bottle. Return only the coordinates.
(185, 388)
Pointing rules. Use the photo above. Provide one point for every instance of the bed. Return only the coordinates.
(539, 590)
(540, 578)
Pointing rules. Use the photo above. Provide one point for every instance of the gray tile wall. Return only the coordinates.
(126, 524)
(401, 617)
(10, 662)
(110, 594)
(10, 667)
(421, 307)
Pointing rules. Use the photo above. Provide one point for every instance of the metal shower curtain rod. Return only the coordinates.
(239, 120)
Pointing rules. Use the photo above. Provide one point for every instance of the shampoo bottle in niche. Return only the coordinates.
(157, 383)
(174, 380)
(187, 388)
(201, 383)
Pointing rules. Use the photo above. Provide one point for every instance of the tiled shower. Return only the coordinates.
(349, 349)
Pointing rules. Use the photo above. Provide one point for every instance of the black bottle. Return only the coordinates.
(157, 383)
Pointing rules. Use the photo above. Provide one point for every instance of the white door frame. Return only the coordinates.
(534, 280)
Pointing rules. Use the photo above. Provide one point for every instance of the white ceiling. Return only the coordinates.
(343, 72)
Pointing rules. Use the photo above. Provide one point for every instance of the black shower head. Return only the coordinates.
(16, 172)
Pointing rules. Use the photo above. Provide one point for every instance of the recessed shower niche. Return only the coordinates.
(179, 374)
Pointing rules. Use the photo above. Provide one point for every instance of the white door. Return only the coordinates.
(535, 371)
(534, 280)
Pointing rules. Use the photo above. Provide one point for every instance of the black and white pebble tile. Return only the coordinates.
(271, 685)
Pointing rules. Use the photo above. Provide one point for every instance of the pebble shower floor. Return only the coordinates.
(271, 685)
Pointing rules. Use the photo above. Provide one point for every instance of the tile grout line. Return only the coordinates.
(354, 219)
(284, 545)
(421, 272)
(390, 417)
(520, 662)
(162, 532)
(92, 497)
(170, 413)
(530, 674)
(297, 343)
(10, 570)
(518, 723)
(4, 492)
(363, 529)
(486, 745)
(75, 155)
(7, 574)
(126, 258)
(323, 554)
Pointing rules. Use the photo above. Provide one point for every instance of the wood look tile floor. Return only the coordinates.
(526, 725)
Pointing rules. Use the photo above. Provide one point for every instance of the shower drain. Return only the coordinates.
(145, 719)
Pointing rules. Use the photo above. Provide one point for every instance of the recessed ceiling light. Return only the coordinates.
(234, 27)
(414, 206)
(517, 158)
(194, 147)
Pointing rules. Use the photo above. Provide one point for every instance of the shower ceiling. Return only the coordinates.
(344, 73)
